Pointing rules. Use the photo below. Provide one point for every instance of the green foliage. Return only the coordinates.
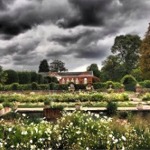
(111, 108)
(137, 74)
(34, 76)
(24, 77)
(99, 85)
(14, 86)
(40, 79)
(57, 66)
(7, 104)
(12, 76)
(75, 131)
(129, 82)
(34, 86)
(145, 83)
(3, 76)
(112, 69)
(43, 67)
(146, 97)
(95, 69)
(50, 79)
(126, 48)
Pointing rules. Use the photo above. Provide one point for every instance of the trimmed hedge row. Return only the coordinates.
(53, 86)
(65, 97)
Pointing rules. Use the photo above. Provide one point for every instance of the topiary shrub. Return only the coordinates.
(108, 84)
(129, 82)
(15, 86)
(1, 87)
(34, 86)
(111, 108)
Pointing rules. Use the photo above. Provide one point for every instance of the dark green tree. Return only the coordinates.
(43, 67)
(12, 76)
(50, 79)
(24, 77)
(3, 76)
(137, 74)
(57, 66)
(112, 69)
(145, 55)
(95, 69)
(126, 48)
(34, 76)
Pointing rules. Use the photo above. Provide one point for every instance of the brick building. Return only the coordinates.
(75, 77)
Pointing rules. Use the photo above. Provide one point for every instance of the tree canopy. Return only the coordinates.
(95, 69)
(112, 69)
(57, 66)
(3, 76)
(43, 67)
(12, 76)
(126, 48)
(145, 55)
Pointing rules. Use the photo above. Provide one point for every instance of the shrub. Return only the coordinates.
(145, 83)
(109, 83)
(99, 85)
(146, 97)
(34, 86)
(15, 86)
(111, 108)
(129, 82)
(7, 104)
(43, 86)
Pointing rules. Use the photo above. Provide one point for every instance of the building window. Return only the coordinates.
(85, 80)
(63, 81)
(72, 80)
(67, 80)
(77, 81)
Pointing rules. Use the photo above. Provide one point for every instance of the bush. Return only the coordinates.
(80, 86)
(15, 86)
(99, 85)
(129, 82)
(43, 86)
(145, 84)
(111, 108)
(34, 86)
(146, 97)
(108, 84)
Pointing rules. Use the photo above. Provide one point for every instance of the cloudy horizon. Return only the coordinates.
(77, 32)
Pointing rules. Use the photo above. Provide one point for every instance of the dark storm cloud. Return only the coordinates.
(104, 12)
(81, 44)
(88, 12)
(18, 48)
(75, 30)
(18, 19)
(71, 38)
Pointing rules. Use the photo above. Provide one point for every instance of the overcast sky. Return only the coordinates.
(77, 32)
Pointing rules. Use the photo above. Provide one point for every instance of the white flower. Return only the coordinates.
(9, 129)
(24, 132)
(1, 144)
(115, 141)
(110, 135)
(59, 138)
(78, 132)
(124, 138)
(23, 115)
(31, 141)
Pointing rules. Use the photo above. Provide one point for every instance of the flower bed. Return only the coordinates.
(63, 97)
(75, 131)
